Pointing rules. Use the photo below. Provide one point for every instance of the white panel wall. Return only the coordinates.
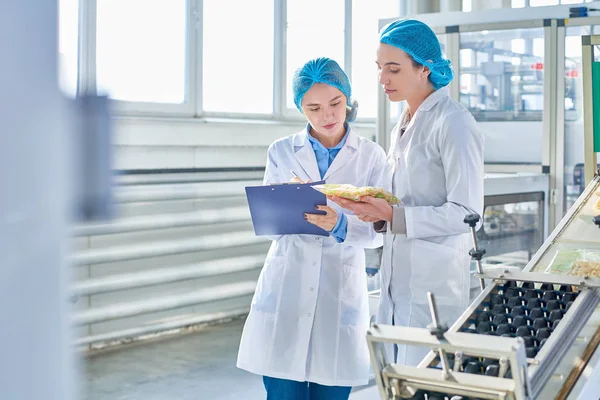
(153, 143)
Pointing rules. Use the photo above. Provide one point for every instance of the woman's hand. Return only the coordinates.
(327, 221)
(295, 179)
(368, 209)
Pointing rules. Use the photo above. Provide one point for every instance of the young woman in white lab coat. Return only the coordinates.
(436, 154)
(305, 333)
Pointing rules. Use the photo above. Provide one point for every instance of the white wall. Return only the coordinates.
(159, 143)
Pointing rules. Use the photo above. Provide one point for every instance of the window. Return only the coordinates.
(315, 28)
(68, 43)
(518, 3)
(365, 38)
(467, 5)
(141, 50)
(541, 3)
(238, 56)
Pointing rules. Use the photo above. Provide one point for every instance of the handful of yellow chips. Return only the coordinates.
(354, 193)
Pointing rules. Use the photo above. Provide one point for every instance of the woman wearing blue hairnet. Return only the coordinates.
(305, 333)
(436, 155)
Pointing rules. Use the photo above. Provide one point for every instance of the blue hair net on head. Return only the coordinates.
(327, 71)
(419, 41)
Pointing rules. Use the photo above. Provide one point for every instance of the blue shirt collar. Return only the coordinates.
(318, 145)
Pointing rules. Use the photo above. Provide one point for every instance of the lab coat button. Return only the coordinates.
(312, 289)
(309, 314)
(314, 263)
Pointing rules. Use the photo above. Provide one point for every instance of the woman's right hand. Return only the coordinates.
(368, 218)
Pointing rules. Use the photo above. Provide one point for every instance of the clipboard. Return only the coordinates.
(279, 209)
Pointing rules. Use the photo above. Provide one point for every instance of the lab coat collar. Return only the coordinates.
(301, 138)
(434, 98)
(305, 154)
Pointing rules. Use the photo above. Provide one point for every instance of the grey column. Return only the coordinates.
(36, 360)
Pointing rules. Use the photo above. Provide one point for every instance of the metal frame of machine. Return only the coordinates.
(564, 365)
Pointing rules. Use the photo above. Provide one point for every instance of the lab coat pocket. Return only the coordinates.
(436, 269)
(268, 289)
(353, 290)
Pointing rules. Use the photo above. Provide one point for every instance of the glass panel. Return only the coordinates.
(577, 247)
(238, 56)
(365, 35)
(511, 232)
(312, 34)
(574, 180)
(502, 74)
(397, 107)
(517, 3)
(68, 42)
(141, 50)
(541, 3)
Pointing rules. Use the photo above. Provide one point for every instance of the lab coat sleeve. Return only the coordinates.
(271, 176)
(461, 150)
(362, 234)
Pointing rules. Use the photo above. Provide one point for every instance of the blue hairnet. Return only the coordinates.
(419, 41)
(327, 71)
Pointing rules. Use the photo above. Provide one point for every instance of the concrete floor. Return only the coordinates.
(198, 365)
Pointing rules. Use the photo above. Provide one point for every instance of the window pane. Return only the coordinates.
(315, 28)
(238, 56)
(467, 5)
(539, 3)
(365, 38)
(141, 50)
(518, 3)
(68, 41)
(503, 78)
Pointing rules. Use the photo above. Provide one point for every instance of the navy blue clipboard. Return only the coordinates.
(279, 209)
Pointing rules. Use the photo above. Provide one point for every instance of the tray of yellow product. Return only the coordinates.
(355, 193)
(576, 262)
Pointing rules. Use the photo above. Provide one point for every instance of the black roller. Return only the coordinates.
(534, 303)
(567, 297)
(536, 313)
(539, 323)
(566, 288)
(531, 352)
(517, 311)
(528, 285)
(484, 327)
(555, 315)
(492, 370)
(532, 294)
(529, 341)
(513, 292)
(552, 305)
(485, 316)
(515, 301)
(503, 329)
(542, 334)
(500, 319)
(520, 320)
(523, 331)
(499, 309)
(546, 286)
(550, 295)
(474, 367)
(489, 361)
(497, 299)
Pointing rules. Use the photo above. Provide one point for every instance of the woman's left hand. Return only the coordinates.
(369, 209)
(327, 221)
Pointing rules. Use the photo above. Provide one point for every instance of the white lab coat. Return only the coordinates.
(310, 314)
(437, 169)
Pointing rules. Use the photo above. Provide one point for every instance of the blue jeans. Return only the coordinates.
(283, 389)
